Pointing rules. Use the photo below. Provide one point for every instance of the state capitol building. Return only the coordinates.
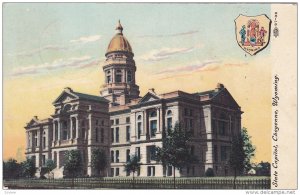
(121, 122)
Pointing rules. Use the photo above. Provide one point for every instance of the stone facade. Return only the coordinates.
(122, 123)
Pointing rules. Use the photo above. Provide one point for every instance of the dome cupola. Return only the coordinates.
(119, 42)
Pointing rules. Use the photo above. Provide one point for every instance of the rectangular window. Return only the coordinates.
(127, 155)
(148, 171)
(169, 123)
(192, 150)
(127, 173)
(127, 133)
(112, 156)
(139, 130)
(186, 124)
(216, 153)
(151, 171)
(118, 78)
(223, 153)
(117, 134)
(44, 142)
(193, 171)
(97, 136)
(169, 172)
(191, 126)
(138, 152)
(138, 171)
(222, 128)
(127, 119)
(117, 156)
(111, 122)
(185, 112)
(153, 127)
(43, 160)
(117, 121)
(151, 152)
(191, 112)
(102, 135)
(117, 171)
(112, 172)
(112, 135)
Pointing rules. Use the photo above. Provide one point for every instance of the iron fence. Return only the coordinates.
(139, 183)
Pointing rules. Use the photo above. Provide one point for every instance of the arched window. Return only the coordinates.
(118, 76)
(73, 127)
(139, 117)
(108, 77)
(129, 76)
(169, 113)
(153, 114)
(44, 139)
(67, 107)
(139, 127)
(222, 124)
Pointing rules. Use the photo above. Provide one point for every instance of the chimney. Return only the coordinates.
(219, 87)
(151, 90)
(68, 89)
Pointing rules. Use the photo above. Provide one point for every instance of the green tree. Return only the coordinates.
(99, 161)
(11, 169)
(28, 167)
(73, 164)
(242, 150)
(175, 151)
(237, 157)
(49, 166)
(249, 149)
(132, 165)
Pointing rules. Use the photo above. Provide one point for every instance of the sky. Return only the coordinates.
(189, 47)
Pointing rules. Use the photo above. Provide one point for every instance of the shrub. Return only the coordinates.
(209, 172)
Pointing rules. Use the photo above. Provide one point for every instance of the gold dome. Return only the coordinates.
(119, 42)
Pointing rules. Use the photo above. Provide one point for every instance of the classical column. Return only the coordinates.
(90, 129)
(59, 129)
(145, 122)
(38, 133)
(71, 128)
(77, 127)
(53, 132)
(113, 75)
(159, 120)
(27, 139)
(31, 139)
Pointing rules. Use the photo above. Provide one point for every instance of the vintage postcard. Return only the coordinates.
(150, 96)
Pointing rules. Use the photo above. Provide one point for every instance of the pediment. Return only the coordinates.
(225, 98)
(65, 97)
(149, 97)
(33, 122)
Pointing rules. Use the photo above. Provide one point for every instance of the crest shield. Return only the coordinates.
(252, 32)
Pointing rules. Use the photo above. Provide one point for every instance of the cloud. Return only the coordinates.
(171, 35)
(86, 39)
(80, 40)
(165, 53)
(189, 68)
(84, 61)
(208, 65)
(38, 50)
